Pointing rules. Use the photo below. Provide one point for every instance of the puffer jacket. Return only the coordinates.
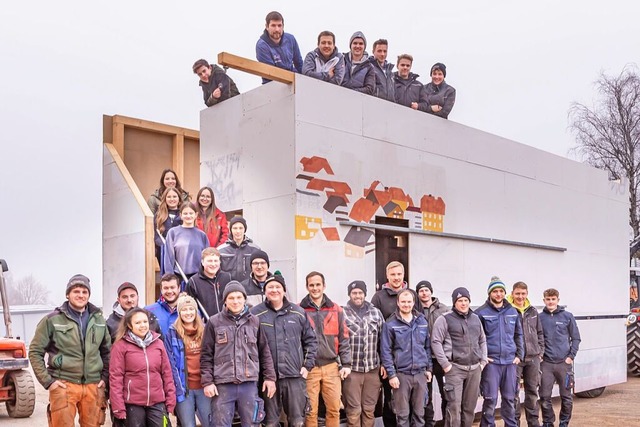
(235, 350)
(71, 358)
(218, 78)
(532, 330)
(410, 90)
(140, 376)
(385, 86)
(442, 95)
(292, 340)
(236, 259)
(208, 291)
(503, 329)
(406, 347)
(285, 55)
(359, 76)
(561, 335)
(315, 65)
(219, 234)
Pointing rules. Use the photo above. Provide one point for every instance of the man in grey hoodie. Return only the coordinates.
(359, 74)
(325, 62)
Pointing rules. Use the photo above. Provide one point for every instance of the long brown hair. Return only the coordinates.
(178, 185)
(208, 216)
(125, 322)
(163, 210)
(180, 329)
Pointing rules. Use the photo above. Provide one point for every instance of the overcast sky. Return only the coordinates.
(64, 64)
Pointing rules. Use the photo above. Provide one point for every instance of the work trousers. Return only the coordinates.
(555, 373)
(291, 397)
(326, 380)
(429, 413)
(86, 400)
(147, 416)
(360, 391)
(530, 373)
(461, 389)
(503, 379)
(409, 399)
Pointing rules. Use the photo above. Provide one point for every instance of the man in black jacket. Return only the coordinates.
(208, 285)
(216, 85)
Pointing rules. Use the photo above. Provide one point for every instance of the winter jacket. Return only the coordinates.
(316, 66)
(532, 330)
(410, 90)
(406, 347)
(359, 76)
(385, 86)
(254, 290)
(164, 314)
(184, 246)
(285, 54)
(113, 321)
(365, 328)
(140, 376)
(218, 78)
(178, 358)
(236, 260)
(435, 310)
(331, 330)
(292, 340)
(561, 335)
(217, 235)
(386, 299)
(458, 338)
(155, 199)
(503, 329)
(442, 95)
(235, 350)
(169, 223)
(208, 291)
(70, 357)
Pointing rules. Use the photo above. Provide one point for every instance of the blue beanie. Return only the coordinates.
(495, 284)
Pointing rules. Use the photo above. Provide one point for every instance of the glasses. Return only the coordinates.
(258, 263)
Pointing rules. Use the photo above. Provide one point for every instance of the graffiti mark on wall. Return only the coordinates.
(376, 200)
(223, 173)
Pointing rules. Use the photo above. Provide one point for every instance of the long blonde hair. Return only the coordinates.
(163, 210)
(180, 329)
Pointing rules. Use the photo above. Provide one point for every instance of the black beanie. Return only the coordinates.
(460, 293)
(424, 284)
(357, 284)
(240, 220)
(278, 278)
(260, 255)
(439, 66)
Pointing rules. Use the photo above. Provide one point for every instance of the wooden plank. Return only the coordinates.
(149, 262)
(257, 68)
(157, 127)
(142, 202)
(178, 156)
(117, 134)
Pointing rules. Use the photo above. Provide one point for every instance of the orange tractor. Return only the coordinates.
(17, 388)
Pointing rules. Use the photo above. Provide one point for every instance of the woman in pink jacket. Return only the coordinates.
(142, 390)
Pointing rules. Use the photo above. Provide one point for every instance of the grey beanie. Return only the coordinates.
(233, 286)
(358, 35)
(78, 280)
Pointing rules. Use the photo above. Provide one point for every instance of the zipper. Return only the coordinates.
(146, 359)
(129, 390)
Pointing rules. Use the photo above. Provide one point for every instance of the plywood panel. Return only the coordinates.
(146, 156)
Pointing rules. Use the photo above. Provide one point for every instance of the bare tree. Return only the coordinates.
(27, 291)
(608, 134)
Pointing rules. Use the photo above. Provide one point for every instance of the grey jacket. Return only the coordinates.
(410, 90)
(385, 86)
(442, 95)
(532, 329)
(316, 66)
(359, 76)
(459, 338)
(434, 311)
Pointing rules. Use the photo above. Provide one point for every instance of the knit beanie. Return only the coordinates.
(424, 284)
(496, 283)
(78, 280)
(260, 255)
(439, 66)
(460, 293)
(239, 219)
(357, 284)
(186, 301)
(233, 286)
(358, 35)
(277, 277)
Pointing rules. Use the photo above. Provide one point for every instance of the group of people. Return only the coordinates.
(356, 70)
(224, 348)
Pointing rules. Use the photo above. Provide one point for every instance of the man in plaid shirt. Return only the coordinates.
(362, 387)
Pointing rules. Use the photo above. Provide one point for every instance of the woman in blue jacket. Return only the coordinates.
(184, 344)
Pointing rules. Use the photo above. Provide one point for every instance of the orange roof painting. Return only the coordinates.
(315, 164)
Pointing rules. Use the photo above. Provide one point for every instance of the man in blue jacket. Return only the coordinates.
(165, 308)
(561, 343)
(406, 356)
(505, 348)
(277, 48)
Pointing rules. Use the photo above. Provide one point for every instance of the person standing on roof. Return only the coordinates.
(235, 255)
(385, 87)
(358, 71)
(408, 89)
(325, 62)
(216, 85)
(440, 96)
(277, 48)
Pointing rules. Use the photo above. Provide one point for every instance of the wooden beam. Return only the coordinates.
(178, 156)
(257, 68)
(142, 203)
(149, 262)
(157, 127)
(117, 135)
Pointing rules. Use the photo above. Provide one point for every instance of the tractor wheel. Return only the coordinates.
(24, 394)
(596, 392)
(633, 349)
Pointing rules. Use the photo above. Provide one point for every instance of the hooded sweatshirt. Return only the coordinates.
(285, 54)
(386, 299)
(359, 75)
(317, 66)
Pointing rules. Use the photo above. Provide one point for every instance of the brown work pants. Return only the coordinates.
(360, 391)
(87, 400)
(326, 380)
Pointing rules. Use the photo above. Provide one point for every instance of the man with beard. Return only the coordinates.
(208, 285)
(505, 349)
(293, 346)
(254, 284)
(358, 71)
(165, 308)
(362, 387)
(127, 299)
(277, 48)
(235, 254)
(408, 89)
(325, 62)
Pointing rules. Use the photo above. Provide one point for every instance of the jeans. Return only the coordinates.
(503, 379)
(195, 401)
(326, 380)
(229, 396)
(87, 400)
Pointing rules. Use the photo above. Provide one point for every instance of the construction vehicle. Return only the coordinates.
(17, 391)
(633, 323)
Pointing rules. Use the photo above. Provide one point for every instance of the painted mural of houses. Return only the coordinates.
(432, 213)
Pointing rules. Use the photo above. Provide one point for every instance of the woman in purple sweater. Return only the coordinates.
(184, 244)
